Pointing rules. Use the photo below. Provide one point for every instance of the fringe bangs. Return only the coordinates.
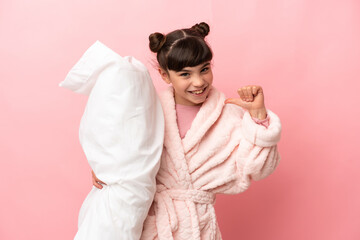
(188, 52)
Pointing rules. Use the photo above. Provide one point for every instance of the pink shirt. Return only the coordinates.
(186, 114)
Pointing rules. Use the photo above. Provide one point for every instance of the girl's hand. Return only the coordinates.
(96, 182)
(252, 99)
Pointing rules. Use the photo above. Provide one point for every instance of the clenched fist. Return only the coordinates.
(252, 99)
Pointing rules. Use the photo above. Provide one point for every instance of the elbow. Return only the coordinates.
(269, 166)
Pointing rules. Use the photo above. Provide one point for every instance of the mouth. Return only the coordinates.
(198, 92)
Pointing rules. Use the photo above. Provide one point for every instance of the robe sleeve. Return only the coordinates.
(257, 155)
(254, 154)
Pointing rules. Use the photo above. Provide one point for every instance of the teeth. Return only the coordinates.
(198, 92)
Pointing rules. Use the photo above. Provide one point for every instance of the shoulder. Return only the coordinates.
(233, 109)
(167, 93)
(229, 112)
(167, 98)
(215, 97)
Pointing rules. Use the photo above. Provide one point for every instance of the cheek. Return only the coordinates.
(209, 78)
(179, 87)
(182, 85)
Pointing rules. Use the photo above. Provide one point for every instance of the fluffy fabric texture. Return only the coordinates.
(221, 153)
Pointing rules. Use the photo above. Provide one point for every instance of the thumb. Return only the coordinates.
(237, 101)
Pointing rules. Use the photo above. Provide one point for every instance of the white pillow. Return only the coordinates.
(121, 132)
(84, 74)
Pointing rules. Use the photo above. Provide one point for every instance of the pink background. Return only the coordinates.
(305, 54)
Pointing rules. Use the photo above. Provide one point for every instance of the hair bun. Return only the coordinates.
(157, 40)
(202, 28)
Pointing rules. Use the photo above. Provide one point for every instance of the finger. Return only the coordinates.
(255, 90)
(232, 100)
(99, 181)
(249, 93)
(236, 101)
(241, 94)
(96, 184)
(245, 93)
(258, 90)
(96, 179)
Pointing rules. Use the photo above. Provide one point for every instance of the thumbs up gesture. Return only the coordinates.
(252, 99)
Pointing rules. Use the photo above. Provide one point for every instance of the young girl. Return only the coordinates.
(212, 145)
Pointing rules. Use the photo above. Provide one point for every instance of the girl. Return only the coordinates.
(211, 144)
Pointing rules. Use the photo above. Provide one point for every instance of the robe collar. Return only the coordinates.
(208, 114)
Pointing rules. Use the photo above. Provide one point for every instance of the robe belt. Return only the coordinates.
(166, 217)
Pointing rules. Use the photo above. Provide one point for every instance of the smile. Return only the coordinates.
(198, 92)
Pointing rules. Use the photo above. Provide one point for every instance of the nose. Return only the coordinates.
(198, 81)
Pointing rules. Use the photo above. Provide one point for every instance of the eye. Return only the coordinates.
(184, 74)
(205, 69)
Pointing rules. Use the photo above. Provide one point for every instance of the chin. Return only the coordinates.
(199, 101)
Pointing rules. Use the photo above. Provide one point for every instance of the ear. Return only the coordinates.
(164, 75)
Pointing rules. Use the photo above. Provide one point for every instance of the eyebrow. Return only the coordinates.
(184, 70)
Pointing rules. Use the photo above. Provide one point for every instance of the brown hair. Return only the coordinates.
(181, 48)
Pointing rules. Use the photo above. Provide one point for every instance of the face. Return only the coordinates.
(191, 84)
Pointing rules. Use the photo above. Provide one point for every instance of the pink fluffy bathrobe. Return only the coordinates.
(222, 151)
